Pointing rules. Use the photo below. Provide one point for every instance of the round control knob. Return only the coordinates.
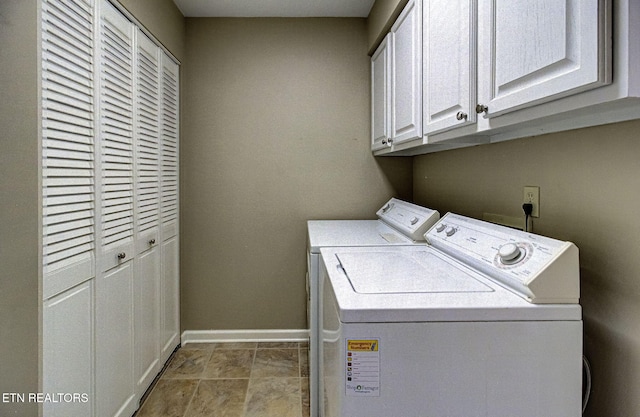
(414, 220)
(509, 252)
(441, 227)
(386, 208)
(450, 231)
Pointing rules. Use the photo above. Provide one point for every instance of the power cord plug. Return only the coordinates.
(528, 209)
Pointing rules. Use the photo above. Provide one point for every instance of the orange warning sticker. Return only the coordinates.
(362, 345)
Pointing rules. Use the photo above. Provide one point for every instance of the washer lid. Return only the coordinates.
(397, 273)
(347, 233)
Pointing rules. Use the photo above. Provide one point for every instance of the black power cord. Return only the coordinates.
(528, 209)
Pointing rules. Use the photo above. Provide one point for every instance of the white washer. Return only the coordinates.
(399, 224)
(484, 321)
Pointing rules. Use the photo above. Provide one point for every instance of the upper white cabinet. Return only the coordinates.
(381, 96)
(406, 74)
(532, 51)
(495, 70)
(449, 64)
(396, 82)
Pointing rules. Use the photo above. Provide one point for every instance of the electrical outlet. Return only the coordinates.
(532, 195)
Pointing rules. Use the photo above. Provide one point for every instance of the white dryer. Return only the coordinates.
(483, 321)
(399, 224)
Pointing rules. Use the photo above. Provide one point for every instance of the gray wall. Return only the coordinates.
(163, 19)
(589, 194)
(19, 239)
(381, 18)
(275, 132)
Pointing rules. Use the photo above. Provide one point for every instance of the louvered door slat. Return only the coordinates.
(72, 206)
(74, 75)
(64, 110)
(68, 129)
(69, 225)
(116, 127)
(71, 34)
(49, 202)
(67, 87)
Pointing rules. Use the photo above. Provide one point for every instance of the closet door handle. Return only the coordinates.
(461, 115)
(122, 255)
(152, 242)
(481, 108)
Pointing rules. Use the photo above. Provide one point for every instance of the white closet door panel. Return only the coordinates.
(537, 50)
(147, 143)
(116, 127)
(170, 147)
(68, 124)
(68, 351)
(114, 343)
(449, 72)
(169, 287)
(147, 318)
(170, 297)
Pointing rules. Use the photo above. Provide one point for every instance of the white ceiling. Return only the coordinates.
(275, 8)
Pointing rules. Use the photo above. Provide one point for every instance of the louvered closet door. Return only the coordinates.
(147, 271)
(170, 326)
(147, 143)
(116, 130)
(114, 288)
(169, 169)
(68, 202)
(67, 144)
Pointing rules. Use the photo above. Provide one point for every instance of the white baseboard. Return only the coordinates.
(219, 336)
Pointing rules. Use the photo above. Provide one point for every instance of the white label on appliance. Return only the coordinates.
(362, 370)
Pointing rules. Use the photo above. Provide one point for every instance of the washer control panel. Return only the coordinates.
(410, 219)
(540, 269)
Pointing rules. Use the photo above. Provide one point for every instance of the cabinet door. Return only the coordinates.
(115, 392)
(449, 64)
(381, 96)
(406, 74)
(532, 51)
(170, 267)
(67, 358)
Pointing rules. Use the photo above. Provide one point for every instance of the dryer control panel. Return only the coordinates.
(409, 219)
(540, 269)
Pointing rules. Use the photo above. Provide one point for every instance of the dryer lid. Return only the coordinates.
(397, 273)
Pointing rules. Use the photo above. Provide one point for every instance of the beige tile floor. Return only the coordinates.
(233, 380)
